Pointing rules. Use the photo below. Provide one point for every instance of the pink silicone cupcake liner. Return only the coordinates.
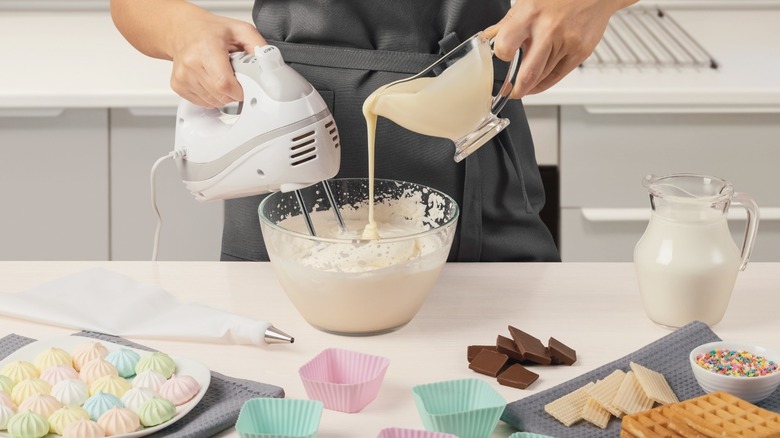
(397, 432)
(344, 380)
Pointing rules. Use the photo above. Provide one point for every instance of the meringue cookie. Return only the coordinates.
(6, 400)
(136, 397)
(125, 361)
(100, 403)
(19, 370)
(179, 389)
(95, 369)
(28, 387)
(83, 429)
(28, 424)
(156, 411)
(62, 417)
(149, 379)
(56, 374)
(157, 361)
(43, 404)
(6, 384)
(50, 357)
(6, 413)
(87, 352)
(119, 420)
(71, 392)
(114, 385)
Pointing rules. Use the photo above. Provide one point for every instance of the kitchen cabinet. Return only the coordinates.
(54, 179)
(191, 230)
(606, 152)
(543, 121)
(77, 187)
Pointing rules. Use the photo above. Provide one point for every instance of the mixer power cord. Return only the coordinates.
(172, 155)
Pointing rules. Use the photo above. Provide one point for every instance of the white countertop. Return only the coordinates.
(593, 307)
(79, 59)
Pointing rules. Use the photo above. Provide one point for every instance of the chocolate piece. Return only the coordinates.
(561, 353)
(530, 347)
(489, 362)
(517, 376)
(553, 361)
(473, 350)
(508, 347)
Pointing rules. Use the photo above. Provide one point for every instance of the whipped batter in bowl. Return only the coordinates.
(342, 283)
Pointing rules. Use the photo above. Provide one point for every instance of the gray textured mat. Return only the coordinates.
(217, 411)
(528, 414)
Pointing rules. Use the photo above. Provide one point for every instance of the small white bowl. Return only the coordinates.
(751, 389)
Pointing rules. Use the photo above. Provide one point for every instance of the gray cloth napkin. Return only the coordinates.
(668, 356)
(217, 411)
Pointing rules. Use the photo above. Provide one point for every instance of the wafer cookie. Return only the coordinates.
(603, 392)
(630, 397)
(568, 408)
(654, 384)
(594, 413)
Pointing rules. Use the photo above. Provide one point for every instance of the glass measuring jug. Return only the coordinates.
(686, 261)
(452, 98)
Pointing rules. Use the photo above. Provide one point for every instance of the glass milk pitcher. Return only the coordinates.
(686, 261)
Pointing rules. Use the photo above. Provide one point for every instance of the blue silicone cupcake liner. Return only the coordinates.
(279, 418)
(468, 408)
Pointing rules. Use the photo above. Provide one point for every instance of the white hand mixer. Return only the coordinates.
(283, 138)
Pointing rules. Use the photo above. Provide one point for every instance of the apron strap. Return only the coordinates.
(409, 63)
(449, 42)
(355, 59)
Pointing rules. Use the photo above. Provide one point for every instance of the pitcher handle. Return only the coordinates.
(751, 229)
(500, 99)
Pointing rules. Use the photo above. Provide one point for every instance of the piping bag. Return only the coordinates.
(103, 301)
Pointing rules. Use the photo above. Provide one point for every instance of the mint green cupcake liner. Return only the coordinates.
(468, 408)
(279, 418)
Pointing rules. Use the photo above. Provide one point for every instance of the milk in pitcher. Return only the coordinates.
(686, 261)
(686, 268)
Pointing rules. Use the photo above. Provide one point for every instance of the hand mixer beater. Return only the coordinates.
(283, 138)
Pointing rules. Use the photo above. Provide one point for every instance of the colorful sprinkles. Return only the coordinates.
(737, 363)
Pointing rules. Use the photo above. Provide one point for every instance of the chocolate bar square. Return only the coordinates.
(517, 376)
(473, 350)
(489, 362)
(530, 347)
(560, 352)
(508, 347)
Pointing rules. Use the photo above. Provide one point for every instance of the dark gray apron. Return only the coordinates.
(349, 48)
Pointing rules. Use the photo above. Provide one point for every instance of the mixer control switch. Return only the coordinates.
(269, 58)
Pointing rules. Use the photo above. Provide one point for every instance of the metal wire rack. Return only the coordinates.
(644, 37)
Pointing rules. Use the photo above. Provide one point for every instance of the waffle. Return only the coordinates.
(655, 423)
(713, 415)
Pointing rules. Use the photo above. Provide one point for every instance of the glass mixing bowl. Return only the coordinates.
(341, 283)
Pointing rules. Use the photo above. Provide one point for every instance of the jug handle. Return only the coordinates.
(751, 229)
(500, 99)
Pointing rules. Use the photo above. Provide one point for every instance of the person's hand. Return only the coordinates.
(201, 64)
(556, 36)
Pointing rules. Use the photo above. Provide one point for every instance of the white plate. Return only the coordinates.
(184, 366)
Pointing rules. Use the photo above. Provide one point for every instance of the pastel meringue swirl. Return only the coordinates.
(125, 361)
